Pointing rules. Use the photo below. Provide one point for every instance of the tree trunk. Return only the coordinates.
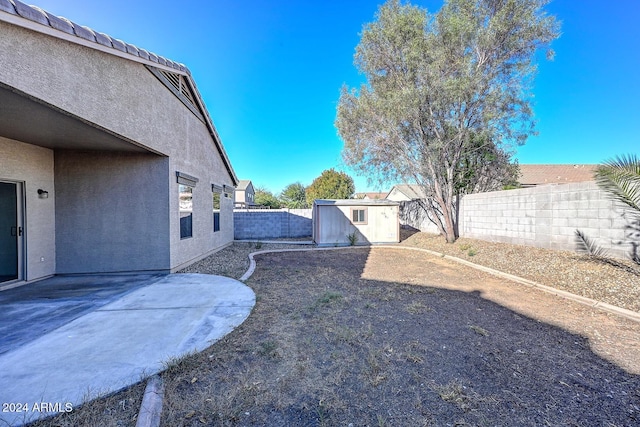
(450, 227)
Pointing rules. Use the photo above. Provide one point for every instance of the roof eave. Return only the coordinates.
(35, 19)
(131, 52)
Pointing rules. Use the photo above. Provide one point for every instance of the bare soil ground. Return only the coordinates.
(614, 281)
(373, 336)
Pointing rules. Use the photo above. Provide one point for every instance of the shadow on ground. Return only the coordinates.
(30, 311)
(326, 345)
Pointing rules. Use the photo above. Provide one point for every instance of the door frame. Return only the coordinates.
(21, 241)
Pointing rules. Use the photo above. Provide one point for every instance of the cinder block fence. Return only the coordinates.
(271, 223)
(545, 216)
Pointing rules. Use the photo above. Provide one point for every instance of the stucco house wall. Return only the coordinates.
(33, 166)
(333, 222)
(112, 212)
(114, 198)
(397, 195)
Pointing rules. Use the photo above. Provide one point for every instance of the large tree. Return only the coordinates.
(331, 184)
(294, 196)
(447, 97)
(266, 198)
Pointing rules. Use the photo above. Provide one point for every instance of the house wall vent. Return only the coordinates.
(181, 88)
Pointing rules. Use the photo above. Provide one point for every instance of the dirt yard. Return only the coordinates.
(390, 337)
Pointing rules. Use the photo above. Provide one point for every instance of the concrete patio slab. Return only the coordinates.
(48, 304)
(118, 344)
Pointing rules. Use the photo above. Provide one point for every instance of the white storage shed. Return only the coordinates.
(372, 221)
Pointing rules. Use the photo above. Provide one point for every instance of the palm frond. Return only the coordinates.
(586, 246)
(620, 177)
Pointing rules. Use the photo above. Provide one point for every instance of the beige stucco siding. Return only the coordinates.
(34, 166)
(124, 97)
(111, 213)
(397, 196)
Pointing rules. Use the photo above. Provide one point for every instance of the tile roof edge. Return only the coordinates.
(36, 19)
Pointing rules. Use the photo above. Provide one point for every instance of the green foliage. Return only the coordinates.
(331, 184)
(447, 97)
(587, 246)
(620, 177)
(329, 296)
(264, 197)
(294, 196)
(353, 238)
(268, 348)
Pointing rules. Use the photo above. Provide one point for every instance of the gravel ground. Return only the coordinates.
(233, 261)
(616, 282)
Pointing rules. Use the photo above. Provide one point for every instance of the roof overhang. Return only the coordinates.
(28, 119)
(36, 19)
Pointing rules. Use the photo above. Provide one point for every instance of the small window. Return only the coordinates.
(359, 216)
(186, 211)
(228, 191)
(216, 211)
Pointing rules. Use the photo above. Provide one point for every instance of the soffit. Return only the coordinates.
(26, 119)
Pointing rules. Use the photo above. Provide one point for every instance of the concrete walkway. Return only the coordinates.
(112, 346)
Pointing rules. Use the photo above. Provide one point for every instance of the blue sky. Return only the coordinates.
(270, 72)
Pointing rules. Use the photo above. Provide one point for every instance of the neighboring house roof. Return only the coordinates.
(532, 175)
(370, 195)
(36, 19)
(243, 184)
(412, 191)
(354, 202)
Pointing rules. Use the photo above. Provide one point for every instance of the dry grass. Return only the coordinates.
(389, 337)
(327, 345)
(119, 409)
(613, 281)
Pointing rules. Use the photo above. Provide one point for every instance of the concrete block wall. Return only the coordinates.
(271, 223)
(546, 217)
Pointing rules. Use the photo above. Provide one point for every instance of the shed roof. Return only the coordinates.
(37, 19)
(355, 202)
(539, 174)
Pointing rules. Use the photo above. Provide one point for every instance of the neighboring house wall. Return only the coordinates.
(245, 194)
(397, 195)
(333, 224)
(272, 223)
(33, 165)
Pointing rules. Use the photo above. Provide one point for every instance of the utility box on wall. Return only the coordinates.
(337, 222)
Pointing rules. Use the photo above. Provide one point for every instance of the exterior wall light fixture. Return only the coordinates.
(43, 194)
